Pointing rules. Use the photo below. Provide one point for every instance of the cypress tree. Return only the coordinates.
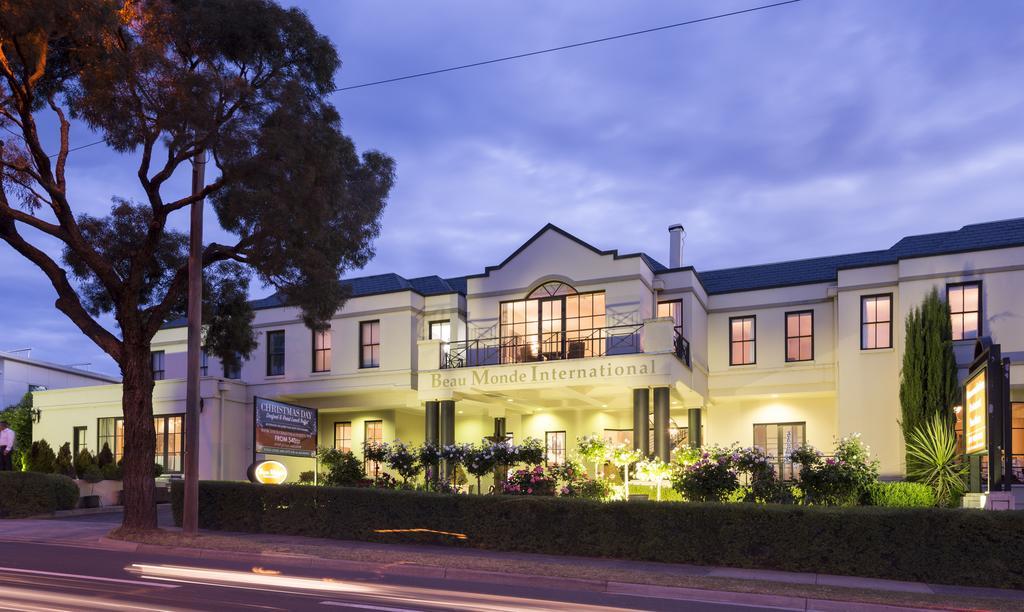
(928, 379)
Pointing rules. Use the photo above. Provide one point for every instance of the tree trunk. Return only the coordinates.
(139, 438)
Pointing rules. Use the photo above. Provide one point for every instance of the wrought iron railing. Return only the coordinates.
(682, 345)
(548, 346)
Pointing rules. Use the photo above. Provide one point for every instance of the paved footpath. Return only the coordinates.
(90, 531)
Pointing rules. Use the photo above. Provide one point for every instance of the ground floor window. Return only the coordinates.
(1017, 439)
(555, 444)
(778, 440)
(373, 433)
(78, 439)
(343, 436)
(170, 439)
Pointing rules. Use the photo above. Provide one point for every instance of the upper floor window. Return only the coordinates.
(440, 330)
(964, 301)
(742, 340)
(275, 353)
(876, 321)
(369, 344)
(673, 309)
(233, 372)
(204, 363)
(800, 336)
(157, 361)
(322, 350)
(556, 322)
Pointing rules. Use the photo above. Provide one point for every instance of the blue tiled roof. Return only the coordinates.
(977, 237)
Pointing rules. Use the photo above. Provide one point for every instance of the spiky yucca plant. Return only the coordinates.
(932, 459)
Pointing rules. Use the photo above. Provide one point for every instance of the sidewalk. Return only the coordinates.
(673, 581)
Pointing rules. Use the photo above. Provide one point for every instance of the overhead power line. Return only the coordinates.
(538, 52)
(569, 46)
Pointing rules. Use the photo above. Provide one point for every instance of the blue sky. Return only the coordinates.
(810, 129)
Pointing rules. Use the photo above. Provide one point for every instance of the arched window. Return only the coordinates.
(551, 289)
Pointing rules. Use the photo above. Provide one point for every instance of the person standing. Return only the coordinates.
(6, 446)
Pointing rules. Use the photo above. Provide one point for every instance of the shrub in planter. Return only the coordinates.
(105, 456)
(111, 471)
(82, 461)
(65, 463)
(92, 474)
(529, 482)
(376, 453)
(593, 449)
(900, 495)
(41, 458)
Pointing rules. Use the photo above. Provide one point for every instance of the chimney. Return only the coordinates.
(676, 235)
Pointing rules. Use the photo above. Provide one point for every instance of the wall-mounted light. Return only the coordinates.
(37, 415)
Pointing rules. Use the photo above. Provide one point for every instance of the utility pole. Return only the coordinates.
(190, 514)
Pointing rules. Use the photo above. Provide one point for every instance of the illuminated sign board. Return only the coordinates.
(268, 472)
(285, 429)
(976, 414)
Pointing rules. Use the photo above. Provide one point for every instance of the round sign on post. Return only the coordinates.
(268, 472)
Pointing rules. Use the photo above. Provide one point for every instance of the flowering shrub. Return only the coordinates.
(385, 481)
(836, 481)
(479, 461)
(376, 453)
(710, 479)
(530, 482)
(456, 454)
(531, 452)
(593, 449)
(505, 453)
(656, 471)
(587, 489)
(763, 485)
(623, 456)
(403, 459)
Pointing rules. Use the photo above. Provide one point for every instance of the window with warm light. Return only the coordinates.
(778, 440)
(369, 344)
(553, 322)
(742, 340)
(373, 433)
(876, 321)
(672, 309)
(800, 336)
(554, 442)
(322, 350)
(170, 439)
(964, 301)
(343, 436)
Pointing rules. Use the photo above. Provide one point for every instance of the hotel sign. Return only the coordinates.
(564, 372)
(284, 429)
(976, 414)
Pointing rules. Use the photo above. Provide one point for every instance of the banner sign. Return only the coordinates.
(976, 414)
(285, 429)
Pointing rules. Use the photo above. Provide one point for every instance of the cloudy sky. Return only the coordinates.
(810, 129)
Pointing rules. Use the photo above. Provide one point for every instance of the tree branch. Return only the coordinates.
(67, 299)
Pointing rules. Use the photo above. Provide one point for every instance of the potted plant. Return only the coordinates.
(91, 474)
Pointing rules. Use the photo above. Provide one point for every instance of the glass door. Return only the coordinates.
(552, 328)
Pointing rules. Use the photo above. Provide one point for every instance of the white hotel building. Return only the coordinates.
(562, 339)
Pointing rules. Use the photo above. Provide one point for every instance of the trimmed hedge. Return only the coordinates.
(969, 547)
(900, 495)
(31, 493)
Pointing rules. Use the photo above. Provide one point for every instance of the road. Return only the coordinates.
(76, 576)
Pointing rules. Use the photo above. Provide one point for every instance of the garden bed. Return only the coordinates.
(918, 544)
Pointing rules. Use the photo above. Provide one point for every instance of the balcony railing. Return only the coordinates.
(576, 344)
(682, 345)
